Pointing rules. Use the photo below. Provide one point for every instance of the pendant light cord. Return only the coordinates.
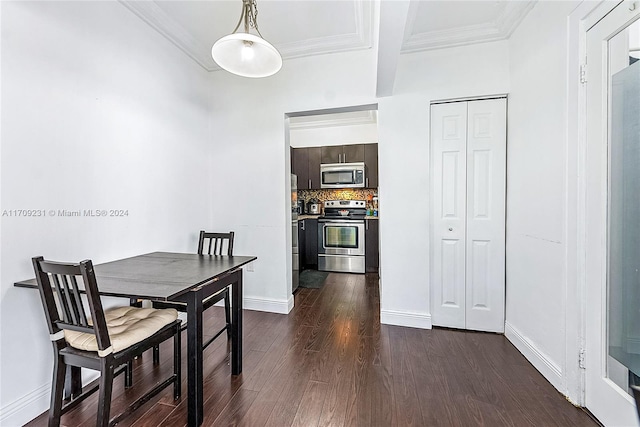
(250, 16)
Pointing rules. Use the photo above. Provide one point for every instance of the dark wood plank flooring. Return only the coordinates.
(330, 363)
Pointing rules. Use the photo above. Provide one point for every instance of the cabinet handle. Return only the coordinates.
(309, 183)
(367, 180)
(302, 223)
(367, 225)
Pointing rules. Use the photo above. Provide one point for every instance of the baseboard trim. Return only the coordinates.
(542, 362)
(405, 318)
(36, 402)
(270, 305)
(26, 408)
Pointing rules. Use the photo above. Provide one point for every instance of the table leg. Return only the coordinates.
(194, 358)
(236, 324)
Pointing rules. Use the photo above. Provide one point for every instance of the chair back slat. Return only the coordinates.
(81, 316)
(73, 306)
(216, 243)
(63, 279)
(63, 297)
(69, 299)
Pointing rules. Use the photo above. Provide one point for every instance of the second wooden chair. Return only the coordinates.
(216, 244)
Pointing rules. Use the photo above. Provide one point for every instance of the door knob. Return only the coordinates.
(450, 229)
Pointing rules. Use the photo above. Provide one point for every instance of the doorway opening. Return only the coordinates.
(333, 158)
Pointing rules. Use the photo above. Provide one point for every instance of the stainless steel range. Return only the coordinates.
(341, 245)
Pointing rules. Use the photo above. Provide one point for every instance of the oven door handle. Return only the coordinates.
(342, 221)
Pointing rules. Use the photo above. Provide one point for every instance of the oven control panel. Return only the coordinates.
(345, 204)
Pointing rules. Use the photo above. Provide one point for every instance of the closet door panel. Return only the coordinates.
(485, 222)
(448, 139)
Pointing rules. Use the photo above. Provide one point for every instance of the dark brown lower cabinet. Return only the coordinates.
(301, 244)
(372, 246)
(311, 243)
(308, 243)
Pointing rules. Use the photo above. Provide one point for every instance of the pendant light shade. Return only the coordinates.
(245, 54)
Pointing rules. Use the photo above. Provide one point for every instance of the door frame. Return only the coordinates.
(602, 396)
(583, 18)
(432, 223)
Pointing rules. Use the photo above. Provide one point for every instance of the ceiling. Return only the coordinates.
(313, 27)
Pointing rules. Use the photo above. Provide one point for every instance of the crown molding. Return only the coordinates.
(332, 120)
(157, 18)
(460, 36)
(150, 13)
(500, 29)
(513, 15)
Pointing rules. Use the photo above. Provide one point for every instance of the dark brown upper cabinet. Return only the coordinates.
(305, 162)
(300, 167)
(343, 153)
(371, 162)
(315, 155)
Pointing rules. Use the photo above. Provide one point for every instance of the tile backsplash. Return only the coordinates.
(339, 194)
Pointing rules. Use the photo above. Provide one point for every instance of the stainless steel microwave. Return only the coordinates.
(342, 175)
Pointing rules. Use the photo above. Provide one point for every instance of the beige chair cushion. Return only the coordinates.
(126, 325)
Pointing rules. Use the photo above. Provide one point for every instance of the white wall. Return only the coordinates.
(91, 80)
(537, 197)
(98, 112)
(465, 71)
(404, 165)
(334, 135)
(251, 185)
(250, 125)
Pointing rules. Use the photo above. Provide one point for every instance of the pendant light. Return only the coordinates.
(245, 54)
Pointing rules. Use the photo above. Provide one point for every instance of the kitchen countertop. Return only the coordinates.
(305, 216)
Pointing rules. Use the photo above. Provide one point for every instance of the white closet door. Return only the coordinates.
(485, 240)
(468, 146)
(448, 139)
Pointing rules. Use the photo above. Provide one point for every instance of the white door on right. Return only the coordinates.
(612, 215)
(468, 151)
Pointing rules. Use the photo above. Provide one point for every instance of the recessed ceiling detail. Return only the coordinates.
(468, 22)
(314, 27)
(352, 31)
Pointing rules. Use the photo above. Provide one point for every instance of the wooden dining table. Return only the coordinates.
(187, 278)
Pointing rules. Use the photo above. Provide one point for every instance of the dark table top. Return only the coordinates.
(159, 276)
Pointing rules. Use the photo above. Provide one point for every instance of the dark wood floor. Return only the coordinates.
(330, 363)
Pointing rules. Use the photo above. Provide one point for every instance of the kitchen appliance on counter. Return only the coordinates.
(341, 231)
(342, 175)
(301, 207)
(314, 207)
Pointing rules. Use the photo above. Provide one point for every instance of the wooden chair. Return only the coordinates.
(106, 341)
(216, 244)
